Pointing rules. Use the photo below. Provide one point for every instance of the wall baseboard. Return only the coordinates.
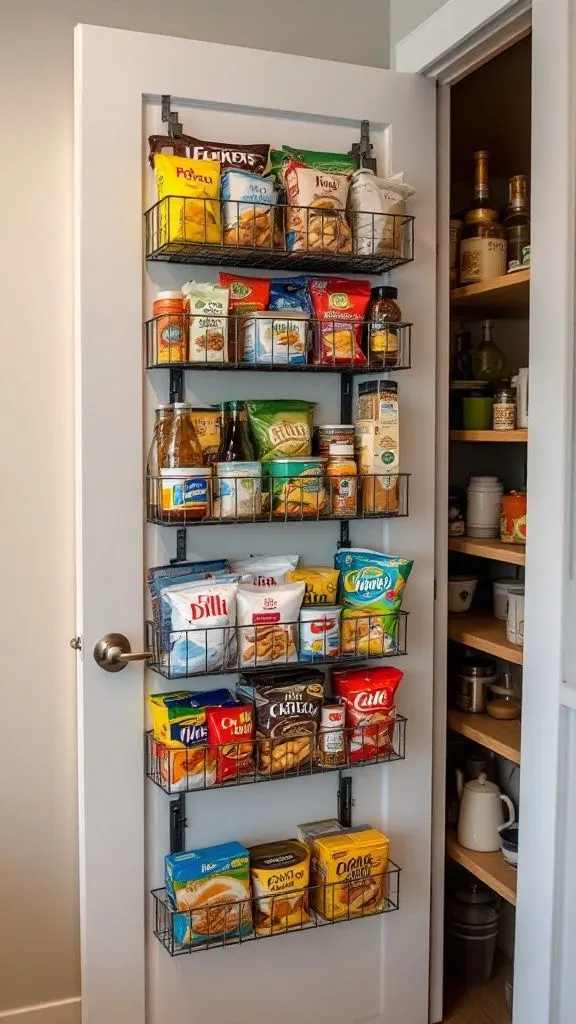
(66, 1011)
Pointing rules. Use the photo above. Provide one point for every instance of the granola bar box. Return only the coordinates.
(211, 887)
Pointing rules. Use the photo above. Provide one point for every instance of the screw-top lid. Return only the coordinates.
(182, 407)
(168, 295)
(384, 291)
(340, 449)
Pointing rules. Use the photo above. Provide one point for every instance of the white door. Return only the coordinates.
(372, 970)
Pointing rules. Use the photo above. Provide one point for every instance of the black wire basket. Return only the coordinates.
(216, 650)
(180, 229)
(281, 342)
(234, 923)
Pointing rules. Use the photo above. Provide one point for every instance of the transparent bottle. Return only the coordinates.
(236, 445)
(488, 362)
(179, 447)
(483, 238)
(517, 222)
(163, 416)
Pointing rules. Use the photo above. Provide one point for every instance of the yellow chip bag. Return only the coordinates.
(190, 190)
(321, 583)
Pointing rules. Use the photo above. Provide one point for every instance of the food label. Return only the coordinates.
(179, 494)
(504, 417)
(481, 259)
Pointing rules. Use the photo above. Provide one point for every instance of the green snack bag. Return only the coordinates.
(331, 163)
(281, 427)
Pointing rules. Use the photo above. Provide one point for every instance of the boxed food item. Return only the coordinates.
(310, 830)
(208, 425)
(207, 305)
(321, 583)
(378, 401)
(368, 695)
(316, 214)
(247, 295)
(231, 740)
(376, 453)
(180, 737)
(297, 487)
(248, 202)
(272, 337)
(287, 716)
(348, 873)
(280, 874)
(191, 193)
(268, 623)
(339, 305)
(212, 888)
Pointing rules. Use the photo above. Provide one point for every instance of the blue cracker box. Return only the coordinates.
(179, 718)
(212, 887)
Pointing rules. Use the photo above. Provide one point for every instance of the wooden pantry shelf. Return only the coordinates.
(501, 736)
(513, 554)
(484, 633)
(506, 296)
(490, 868)
(492, 436)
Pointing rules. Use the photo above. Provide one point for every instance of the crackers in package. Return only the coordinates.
(316, 214)
(248, 202)
(190, 190)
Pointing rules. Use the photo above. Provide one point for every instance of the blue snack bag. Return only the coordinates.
(290, 293)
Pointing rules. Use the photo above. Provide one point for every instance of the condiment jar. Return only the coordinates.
(513, 517)
(342, 474)
(171, 341)
(179, 447)
(163, 416)
(483, 511)
(382, 310)
(504, 407)
(186, 485)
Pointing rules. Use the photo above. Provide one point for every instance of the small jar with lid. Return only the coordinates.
(186, 483)
(382, 339)
(163, 416)
(342, 474)
(504, 407)
(171, 337)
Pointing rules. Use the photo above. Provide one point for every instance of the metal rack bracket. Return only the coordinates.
(345, 800)
(170, 117)
(180, 546)
(176, 386)
(362, 151)
(178, 824)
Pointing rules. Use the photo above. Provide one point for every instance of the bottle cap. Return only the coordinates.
(341, 449)
(384, 291)
(168, 295)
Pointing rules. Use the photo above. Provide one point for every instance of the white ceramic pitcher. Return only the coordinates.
(481, 817)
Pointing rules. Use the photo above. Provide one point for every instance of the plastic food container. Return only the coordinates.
(238, 490)
(297, 487)
(333, 433)
(186, 493)
(275, 337)
(320, 632)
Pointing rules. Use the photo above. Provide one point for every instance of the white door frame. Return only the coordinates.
(454, 41)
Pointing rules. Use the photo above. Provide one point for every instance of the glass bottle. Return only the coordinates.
(517, 221)
(381, 311)
(235, 445)
(163, 416)
(488, 362)
(179, 447)
(462, 360)
(483, 239)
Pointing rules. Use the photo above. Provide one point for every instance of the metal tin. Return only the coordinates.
(472, 681)
(297, 487)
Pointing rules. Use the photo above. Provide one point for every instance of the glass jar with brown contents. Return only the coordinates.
(382, 339)
(163, 416)
(185, 482)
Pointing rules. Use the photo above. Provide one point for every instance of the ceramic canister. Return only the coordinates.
(515, 617)
(483, 512)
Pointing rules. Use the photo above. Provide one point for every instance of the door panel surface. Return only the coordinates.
(371, 970)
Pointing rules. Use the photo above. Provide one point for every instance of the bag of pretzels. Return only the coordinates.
(287, 708)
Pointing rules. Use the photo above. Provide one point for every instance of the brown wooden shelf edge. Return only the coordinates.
(496, 550)
(490, 436)
(484, 633)
(490, 868)
(501, 736)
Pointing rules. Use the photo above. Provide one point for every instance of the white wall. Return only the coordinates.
(38, 849)
(406, 15)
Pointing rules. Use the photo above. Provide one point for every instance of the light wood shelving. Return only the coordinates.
(490, 868)
(491, 436)
(513, 554)
(503, 737)
(506, 296)
(484, 633)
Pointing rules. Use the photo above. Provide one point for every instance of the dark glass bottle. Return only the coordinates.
(236, 445)
(462, 361)
(517, 221)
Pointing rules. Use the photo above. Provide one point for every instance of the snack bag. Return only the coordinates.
(207, 305)
(211, 887)
(161, 576)
(370, 580)
(247, 295)
(281, 427)
(321, 583)
(267, 570)
(231, 740)
(341, 306)
(191, 193)
(287, 708)
(290, 293)
(368, 695)
(316, 215)
(249, 216)
(268, 623)
(331, 163)
(377, 207)
(202, 637)
(238, 156)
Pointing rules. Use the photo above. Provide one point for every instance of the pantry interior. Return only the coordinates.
(480, 887)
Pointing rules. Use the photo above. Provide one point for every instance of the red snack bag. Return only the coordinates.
(368, 695)
(231, 735)
(247, 295)
(341, 306)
